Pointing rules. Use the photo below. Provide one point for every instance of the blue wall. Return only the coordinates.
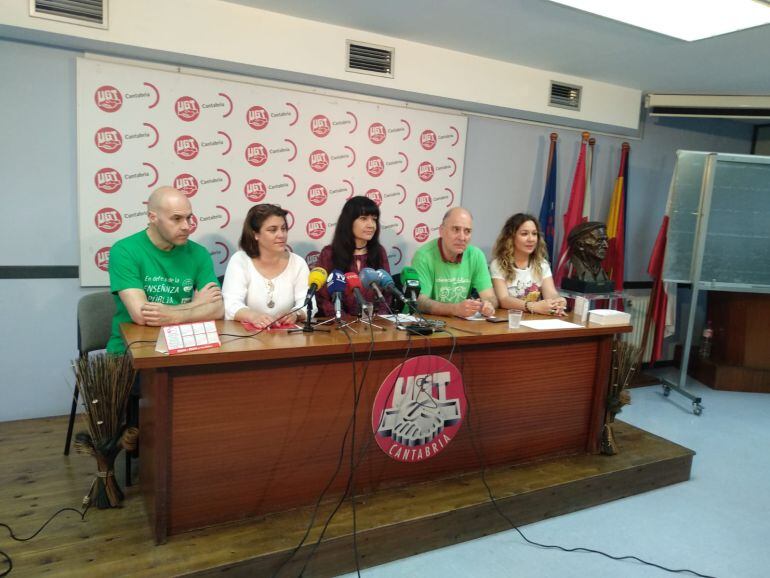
(504, 169)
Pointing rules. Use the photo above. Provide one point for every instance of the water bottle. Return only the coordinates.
(705, 343)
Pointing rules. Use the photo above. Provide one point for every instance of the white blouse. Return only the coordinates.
(244, 286)
(524, 282)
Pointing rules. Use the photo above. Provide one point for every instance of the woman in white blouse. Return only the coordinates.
(520, 273)
(264, 282)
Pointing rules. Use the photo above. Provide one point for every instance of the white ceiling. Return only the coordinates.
(552, 37)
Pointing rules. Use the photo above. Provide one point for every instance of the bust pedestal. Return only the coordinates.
(580, 286)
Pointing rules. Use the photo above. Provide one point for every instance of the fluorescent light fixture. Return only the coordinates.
(686, 19)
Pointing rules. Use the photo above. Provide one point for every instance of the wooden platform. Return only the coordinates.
(36, 479)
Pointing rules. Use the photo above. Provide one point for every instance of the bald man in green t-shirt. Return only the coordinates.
(158, 276)
(449, 267)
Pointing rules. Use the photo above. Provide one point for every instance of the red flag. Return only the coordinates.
(574, 214)
(658, 297)
(616, 223)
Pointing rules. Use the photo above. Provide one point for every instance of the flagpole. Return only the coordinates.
(589, 180)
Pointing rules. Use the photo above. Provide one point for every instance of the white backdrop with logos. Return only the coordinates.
(229, 144)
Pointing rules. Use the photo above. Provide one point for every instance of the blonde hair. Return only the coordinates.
(505, 246)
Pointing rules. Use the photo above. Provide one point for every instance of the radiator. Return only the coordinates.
(636, 305)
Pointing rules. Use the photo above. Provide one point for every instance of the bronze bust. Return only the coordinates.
(588, 244)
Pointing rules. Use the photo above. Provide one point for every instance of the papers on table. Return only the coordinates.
(475, 317)
(549, 324)
(186, 337)
(400, 318)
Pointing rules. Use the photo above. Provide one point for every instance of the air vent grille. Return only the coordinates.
(565, 95)
(87, 12)
(370, 59)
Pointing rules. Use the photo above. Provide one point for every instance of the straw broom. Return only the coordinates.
(105, 382)
(625, 362)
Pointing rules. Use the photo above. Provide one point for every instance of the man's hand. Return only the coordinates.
(211, 293)
(157, 314)
(487, 309)
(468, 307)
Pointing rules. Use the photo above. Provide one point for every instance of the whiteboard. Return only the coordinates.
(719, 229)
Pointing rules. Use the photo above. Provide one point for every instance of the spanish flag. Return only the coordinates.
(616, 223)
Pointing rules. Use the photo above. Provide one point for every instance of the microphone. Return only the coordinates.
(387, 283)
(336, 283)
(371, 279)
(354, 285)
(411, 283)
(315, 280)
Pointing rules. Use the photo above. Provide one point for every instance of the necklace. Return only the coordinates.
(270, 289)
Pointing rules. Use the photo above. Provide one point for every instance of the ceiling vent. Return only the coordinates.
(565, 95)
(370, 59)
(84, 12)
(709, 106)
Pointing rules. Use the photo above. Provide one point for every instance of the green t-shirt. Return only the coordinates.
(168, 277)
(450, 282)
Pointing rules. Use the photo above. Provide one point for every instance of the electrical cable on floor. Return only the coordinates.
(499, 510)
(4, 556)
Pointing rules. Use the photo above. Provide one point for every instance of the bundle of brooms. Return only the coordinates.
(625, 362)
(105, 382)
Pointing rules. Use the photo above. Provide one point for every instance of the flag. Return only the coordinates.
(616, 223)
(548, 208)
(658, 298)
(589, 179)
(574, 214)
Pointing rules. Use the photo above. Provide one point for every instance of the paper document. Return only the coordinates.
(549, 324)
(475, 317)
(402, 318)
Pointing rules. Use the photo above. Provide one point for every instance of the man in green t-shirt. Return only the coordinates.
(158, 276)
(449, 268)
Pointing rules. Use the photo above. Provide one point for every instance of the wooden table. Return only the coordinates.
(257, 425)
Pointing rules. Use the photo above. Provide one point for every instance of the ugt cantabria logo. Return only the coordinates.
(419, 408)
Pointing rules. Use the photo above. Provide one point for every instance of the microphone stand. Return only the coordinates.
(367, 316)
(308, 326)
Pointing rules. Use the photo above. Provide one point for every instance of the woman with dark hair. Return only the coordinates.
(264, 282)
(355, 245)
(520, 273)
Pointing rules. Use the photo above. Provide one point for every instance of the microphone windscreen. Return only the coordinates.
(369, 276)
(354, 282)
(336, 282)
(384, 278)
(409, 274)
(317, 277)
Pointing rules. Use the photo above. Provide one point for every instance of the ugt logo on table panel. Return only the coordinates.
(419, 408)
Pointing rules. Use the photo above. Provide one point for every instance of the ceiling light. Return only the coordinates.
(685, 19)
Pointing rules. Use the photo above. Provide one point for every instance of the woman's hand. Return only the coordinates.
(290, 319)
(556, 306)
(260, 320)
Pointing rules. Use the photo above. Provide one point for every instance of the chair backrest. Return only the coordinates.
(95, 313)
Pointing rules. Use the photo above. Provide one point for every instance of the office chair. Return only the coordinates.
(95, 312)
